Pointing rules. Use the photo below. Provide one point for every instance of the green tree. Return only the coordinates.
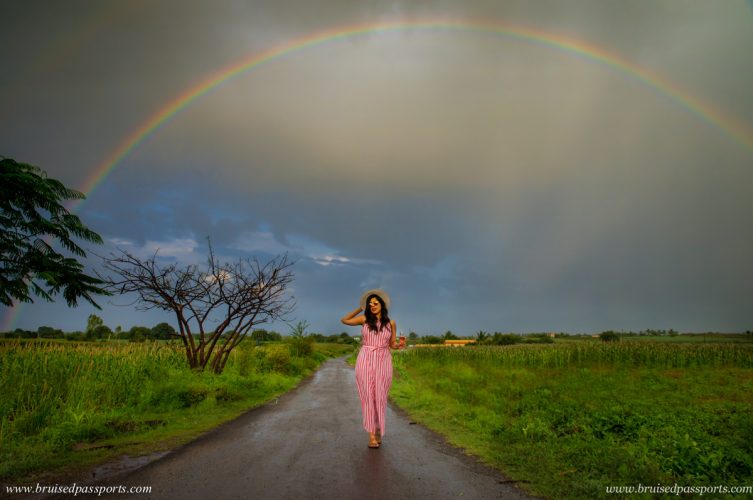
(138, 333)
(448, 335)
(163, 331)
(102, 332)
(92, 322)
(504, 339)
(32, 219)
(274, 336)
(609, 336)
(47, 332)
(259, 335)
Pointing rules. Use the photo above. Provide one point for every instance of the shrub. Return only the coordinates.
(277, 358)
(191, 396)
(505, 339)
(225, 395)
(540, 338)
(245, 361)
(301, 347)
(430, 339)
(609, 336)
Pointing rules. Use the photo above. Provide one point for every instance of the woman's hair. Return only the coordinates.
(371, 319)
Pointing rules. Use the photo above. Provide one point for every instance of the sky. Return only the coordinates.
(511, 166)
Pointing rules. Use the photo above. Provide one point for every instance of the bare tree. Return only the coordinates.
(232, 297)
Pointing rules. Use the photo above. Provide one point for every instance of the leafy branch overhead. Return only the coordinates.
(216, 306)
(32, 222)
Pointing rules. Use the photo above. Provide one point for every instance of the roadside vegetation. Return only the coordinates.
(566, 420)
(66, 405)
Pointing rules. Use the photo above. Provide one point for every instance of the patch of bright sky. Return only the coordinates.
(298, 246)
(182, 250)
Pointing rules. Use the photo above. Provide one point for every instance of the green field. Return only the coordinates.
(710, 338)
(67, 405)
(567, 420)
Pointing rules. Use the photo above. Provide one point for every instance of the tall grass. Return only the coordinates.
(39, 380)
(657, 355)
(56, 398)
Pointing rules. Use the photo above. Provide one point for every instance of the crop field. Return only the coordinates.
(569, 420)
(66, 404)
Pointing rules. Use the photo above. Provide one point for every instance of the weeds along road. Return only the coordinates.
(310, 444)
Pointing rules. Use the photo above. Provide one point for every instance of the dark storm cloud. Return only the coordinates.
(488, 183)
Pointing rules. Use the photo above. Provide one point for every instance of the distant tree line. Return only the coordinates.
(135, 334)
(97, 330)
(485, 338)
(499, 338)
(342, 338)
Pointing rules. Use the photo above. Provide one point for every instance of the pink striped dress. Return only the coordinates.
(374, 376)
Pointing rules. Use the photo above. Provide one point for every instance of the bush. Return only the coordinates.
(191, 396)
(245, 361)
(539, 339)
(224, 395)
(430, 339)
(505, 339)
(301, 347)
(609, 336)
(277, 358)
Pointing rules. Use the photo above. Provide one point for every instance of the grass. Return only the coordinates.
(711, 338)
(65, 406)
(568, 420)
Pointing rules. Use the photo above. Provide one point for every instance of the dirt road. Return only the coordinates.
(310, 445)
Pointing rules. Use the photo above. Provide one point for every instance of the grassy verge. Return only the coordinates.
(567, 424)
(67, 406)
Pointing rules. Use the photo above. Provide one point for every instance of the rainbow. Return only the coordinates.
(738, 131)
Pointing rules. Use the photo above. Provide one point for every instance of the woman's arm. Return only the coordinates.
(351, 319)
(393, 335)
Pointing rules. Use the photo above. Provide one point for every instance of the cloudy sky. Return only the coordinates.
(486, 179)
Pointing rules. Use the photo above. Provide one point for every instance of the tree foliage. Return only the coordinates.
(92, 322)
(163, 331)
(32, 220)
(216, 306)
(609, 336)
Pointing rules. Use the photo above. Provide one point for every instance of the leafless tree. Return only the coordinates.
(232, 297)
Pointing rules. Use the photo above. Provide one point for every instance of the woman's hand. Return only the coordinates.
(351, 319)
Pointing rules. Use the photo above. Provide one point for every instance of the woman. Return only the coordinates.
(374, 364)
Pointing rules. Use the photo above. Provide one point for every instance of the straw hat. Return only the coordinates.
(381, 293)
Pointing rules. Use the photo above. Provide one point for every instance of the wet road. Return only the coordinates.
(310, 444)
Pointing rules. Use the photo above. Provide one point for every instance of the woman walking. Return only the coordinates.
(374, 364)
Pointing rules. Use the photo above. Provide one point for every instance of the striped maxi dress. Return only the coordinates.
(374, 376)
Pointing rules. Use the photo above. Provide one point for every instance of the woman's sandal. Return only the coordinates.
(378, 435)
(373, 443)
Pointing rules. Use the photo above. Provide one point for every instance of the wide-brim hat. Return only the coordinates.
(382, 294)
